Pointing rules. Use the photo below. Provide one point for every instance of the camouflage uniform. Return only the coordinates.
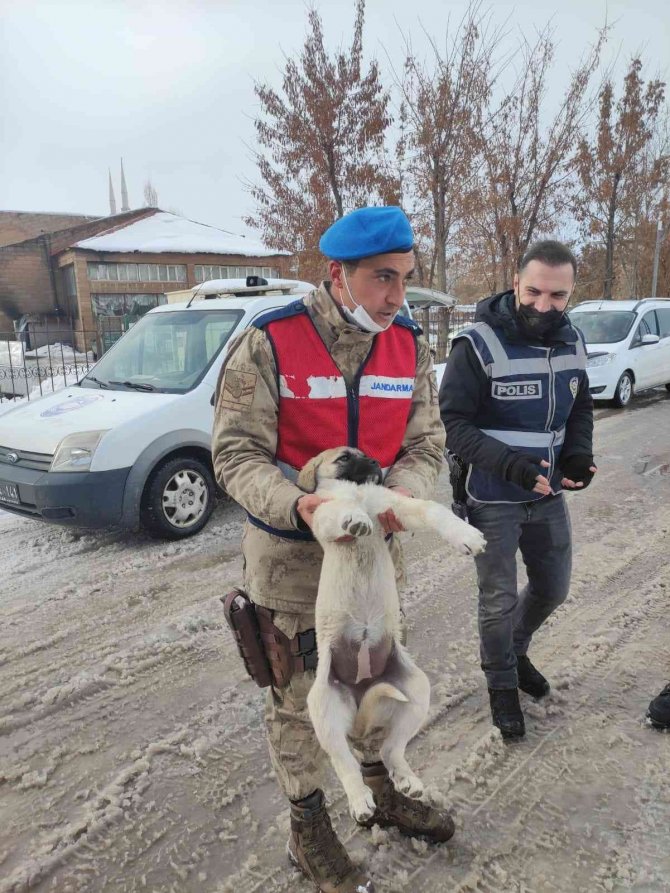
(283, 574)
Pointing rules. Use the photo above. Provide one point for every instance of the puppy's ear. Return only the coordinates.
(307, 475)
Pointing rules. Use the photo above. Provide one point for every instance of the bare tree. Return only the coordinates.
(150, 195)
(522, 184)
(445, 103)
(620, 178)
(324, 141)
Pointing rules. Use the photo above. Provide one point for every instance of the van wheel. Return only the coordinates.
(667, 387)
(624, 390)
(178, 499)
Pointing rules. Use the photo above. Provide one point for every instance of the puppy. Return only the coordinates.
(365, 678)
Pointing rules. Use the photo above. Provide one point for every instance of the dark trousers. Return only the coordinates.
(508, 618)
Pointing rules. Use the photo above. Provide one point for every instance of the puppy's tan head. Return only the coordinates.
(339, 464)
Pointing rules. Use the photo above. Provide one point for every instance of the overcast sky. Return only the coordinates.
(168, 85)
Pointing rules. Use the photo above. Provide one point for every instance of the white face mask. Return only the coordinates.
(360, 315)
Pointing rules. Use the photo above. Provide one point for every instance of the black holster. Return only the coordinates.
(458, 472)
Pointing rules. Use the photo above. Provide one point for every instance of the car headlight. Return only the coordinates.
(75, 451)
(600, 359)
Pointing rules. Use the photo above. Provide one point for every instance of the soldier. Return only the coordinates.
(339, 367)
(517, 409)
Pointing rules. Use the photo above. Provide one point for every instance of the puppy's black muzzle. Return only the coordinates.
(361, 470)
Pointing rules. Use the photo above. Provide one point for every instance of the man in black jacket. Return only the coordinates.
(517, 410)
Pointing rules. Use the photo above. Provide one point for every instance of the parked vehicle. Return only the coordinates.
(628, 345)
(130, 443)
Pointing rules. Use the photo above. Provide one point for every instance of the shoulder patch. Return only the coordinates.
(238, 389)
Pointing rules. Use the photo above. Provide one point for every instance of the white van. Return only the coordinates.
(628, 344)
(130, 444)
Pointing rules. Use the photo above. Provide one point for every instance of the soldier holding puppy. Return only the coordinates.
(340, 367)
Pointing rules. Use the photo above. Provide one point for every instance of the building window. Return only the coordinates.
(131, 305)
(101, 272)
(205, 272)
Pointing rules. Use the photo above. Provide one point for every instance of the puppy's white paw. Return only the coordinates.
(469, 541)
(362, 807)
(407, 784)
(356, 524)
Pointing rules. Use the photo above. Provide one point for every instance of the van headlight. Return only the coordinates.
(600, 359)
(76, 451)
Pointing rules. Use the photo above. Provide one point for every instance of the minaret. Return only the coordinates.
(124, 191)
(112, 199)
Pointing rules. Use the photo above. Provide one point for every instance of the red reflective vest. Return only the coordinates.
(316, 409)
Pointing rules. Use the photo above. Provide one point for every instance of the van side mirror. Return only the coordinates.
(650, 339)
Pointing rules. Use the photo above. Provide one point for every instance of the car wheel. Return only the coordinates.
(178, 499)
(624, 390)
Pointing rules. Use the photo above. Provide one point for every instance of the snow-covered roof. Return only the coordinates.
(167, 233)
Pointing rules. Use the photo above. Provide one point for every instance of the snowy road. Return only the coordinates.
(132, 755)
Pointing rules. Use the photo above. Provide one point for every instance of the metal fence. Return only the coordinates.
(40, 361)
(441, 324)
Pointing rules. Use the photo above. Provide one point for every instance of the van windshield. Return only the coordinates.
(168, 352)
(603, 326)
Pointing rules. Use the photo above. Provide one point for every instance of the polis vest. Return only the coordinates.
(532, 390)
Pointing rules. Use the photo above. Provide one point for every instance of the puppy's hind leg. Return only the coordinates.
(406, 721)
(332, 711)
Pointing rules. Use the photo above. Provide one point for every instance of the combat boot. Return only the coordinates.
(411, 817)
(659, 709)
(530, 679)
(315, 849)
(506, 712)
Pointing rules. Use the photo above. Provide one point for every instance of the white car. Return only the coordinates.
(628, 344)
(130, 444)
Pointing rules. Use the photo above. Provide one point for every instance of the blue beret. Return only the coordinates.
(366, 232)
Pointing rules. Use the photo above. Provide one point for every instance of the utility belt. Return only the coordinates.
(269, 656)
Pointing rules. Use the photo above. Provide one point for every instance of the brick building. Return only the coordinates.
(78, 272)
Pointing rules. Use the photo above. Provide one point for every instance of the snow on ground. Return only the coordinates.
(132, 754)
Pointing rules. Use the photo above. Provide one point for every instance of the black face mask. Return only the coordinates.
(537, 324)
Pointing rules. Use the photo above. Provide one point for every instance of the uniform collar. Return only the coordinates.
(329, 320)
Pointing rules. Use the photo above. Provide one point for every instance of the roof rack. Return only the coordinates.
(644, 301)
(252, 286)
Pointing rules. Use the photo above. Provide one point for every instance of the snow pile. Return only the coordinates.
(58, 352)
(11, 352)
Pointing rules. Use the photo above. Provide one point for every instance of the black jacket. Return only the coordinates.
(465, 386)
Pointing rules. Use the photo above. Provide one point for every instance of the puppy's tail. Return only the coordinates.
(371, 712)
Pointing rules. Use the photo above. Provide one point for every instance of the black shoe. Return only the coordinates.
(530, 680)
(506, 712)
(659, 709)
